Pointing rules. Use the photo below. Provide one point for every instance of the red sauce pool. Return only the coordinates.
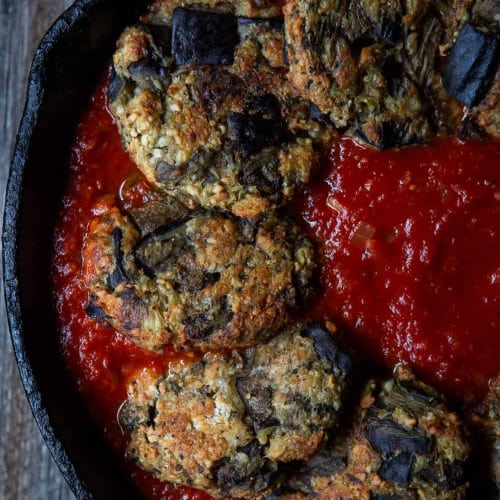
(411, 247)
(411, 264)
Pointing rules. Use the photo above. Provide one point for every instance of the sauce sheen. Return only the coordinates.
(412, 256)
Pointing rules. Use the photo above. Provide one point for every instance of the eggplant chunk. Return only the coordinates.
(254, 132)
(95, 312)
(397, 469)
(260, 126)
(328, 349)
(115, 86)
(386, 436)
(118, 275)
(148, 67)
(200, 37)
(157, 214)
(162, 36)
(471, 65)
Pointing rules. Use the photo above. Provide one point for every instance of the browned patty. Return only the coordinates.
(225, 422)
(404, 444)
(221, 127)
(204, 281)
(373, 68)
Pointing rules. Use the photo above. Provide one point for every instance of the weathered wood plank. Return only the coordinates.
(27, 470)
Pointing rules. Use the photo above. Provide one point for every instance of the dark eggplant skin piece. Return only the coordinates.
(162, 36)
(118, 275)
(95, 312)
(327, 348)
(254, 132)
(386, 436)
(203, 37)
(260, 126)
(397, 468)
(149, 67)
(471, 65)
(388, 30)
(154, 215)
(115, 86)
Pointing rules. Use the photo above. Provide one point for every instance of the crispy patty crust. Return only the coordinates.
(404, 444)
(203, 106)
(224, 422)
(205, 281)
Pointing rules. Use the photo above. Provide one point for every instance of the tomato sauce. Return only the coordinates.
(410, 269)
(411, 248)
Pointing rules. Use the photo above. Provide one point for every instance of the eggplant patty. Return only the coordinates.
(374, 68)
(403, 444)
(223, 423)
(202, 102)
(202, 281)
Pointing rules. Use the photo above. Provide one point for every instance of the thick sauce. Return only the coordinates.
(411, 264)
(411, 245)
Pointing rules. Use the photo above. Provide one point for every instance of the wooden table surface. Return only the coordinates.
(27, 470)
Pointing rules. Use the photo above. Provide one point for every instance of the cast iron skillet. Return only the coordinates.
(70, 59)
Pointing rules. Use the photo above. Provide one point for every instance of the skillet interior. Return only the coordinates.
(70, 59)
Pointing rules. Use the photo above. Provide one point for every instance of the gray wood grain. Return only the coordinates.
(27, 470)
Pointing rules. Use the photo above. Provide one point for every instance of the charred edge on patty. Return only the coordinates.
(118, 275)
